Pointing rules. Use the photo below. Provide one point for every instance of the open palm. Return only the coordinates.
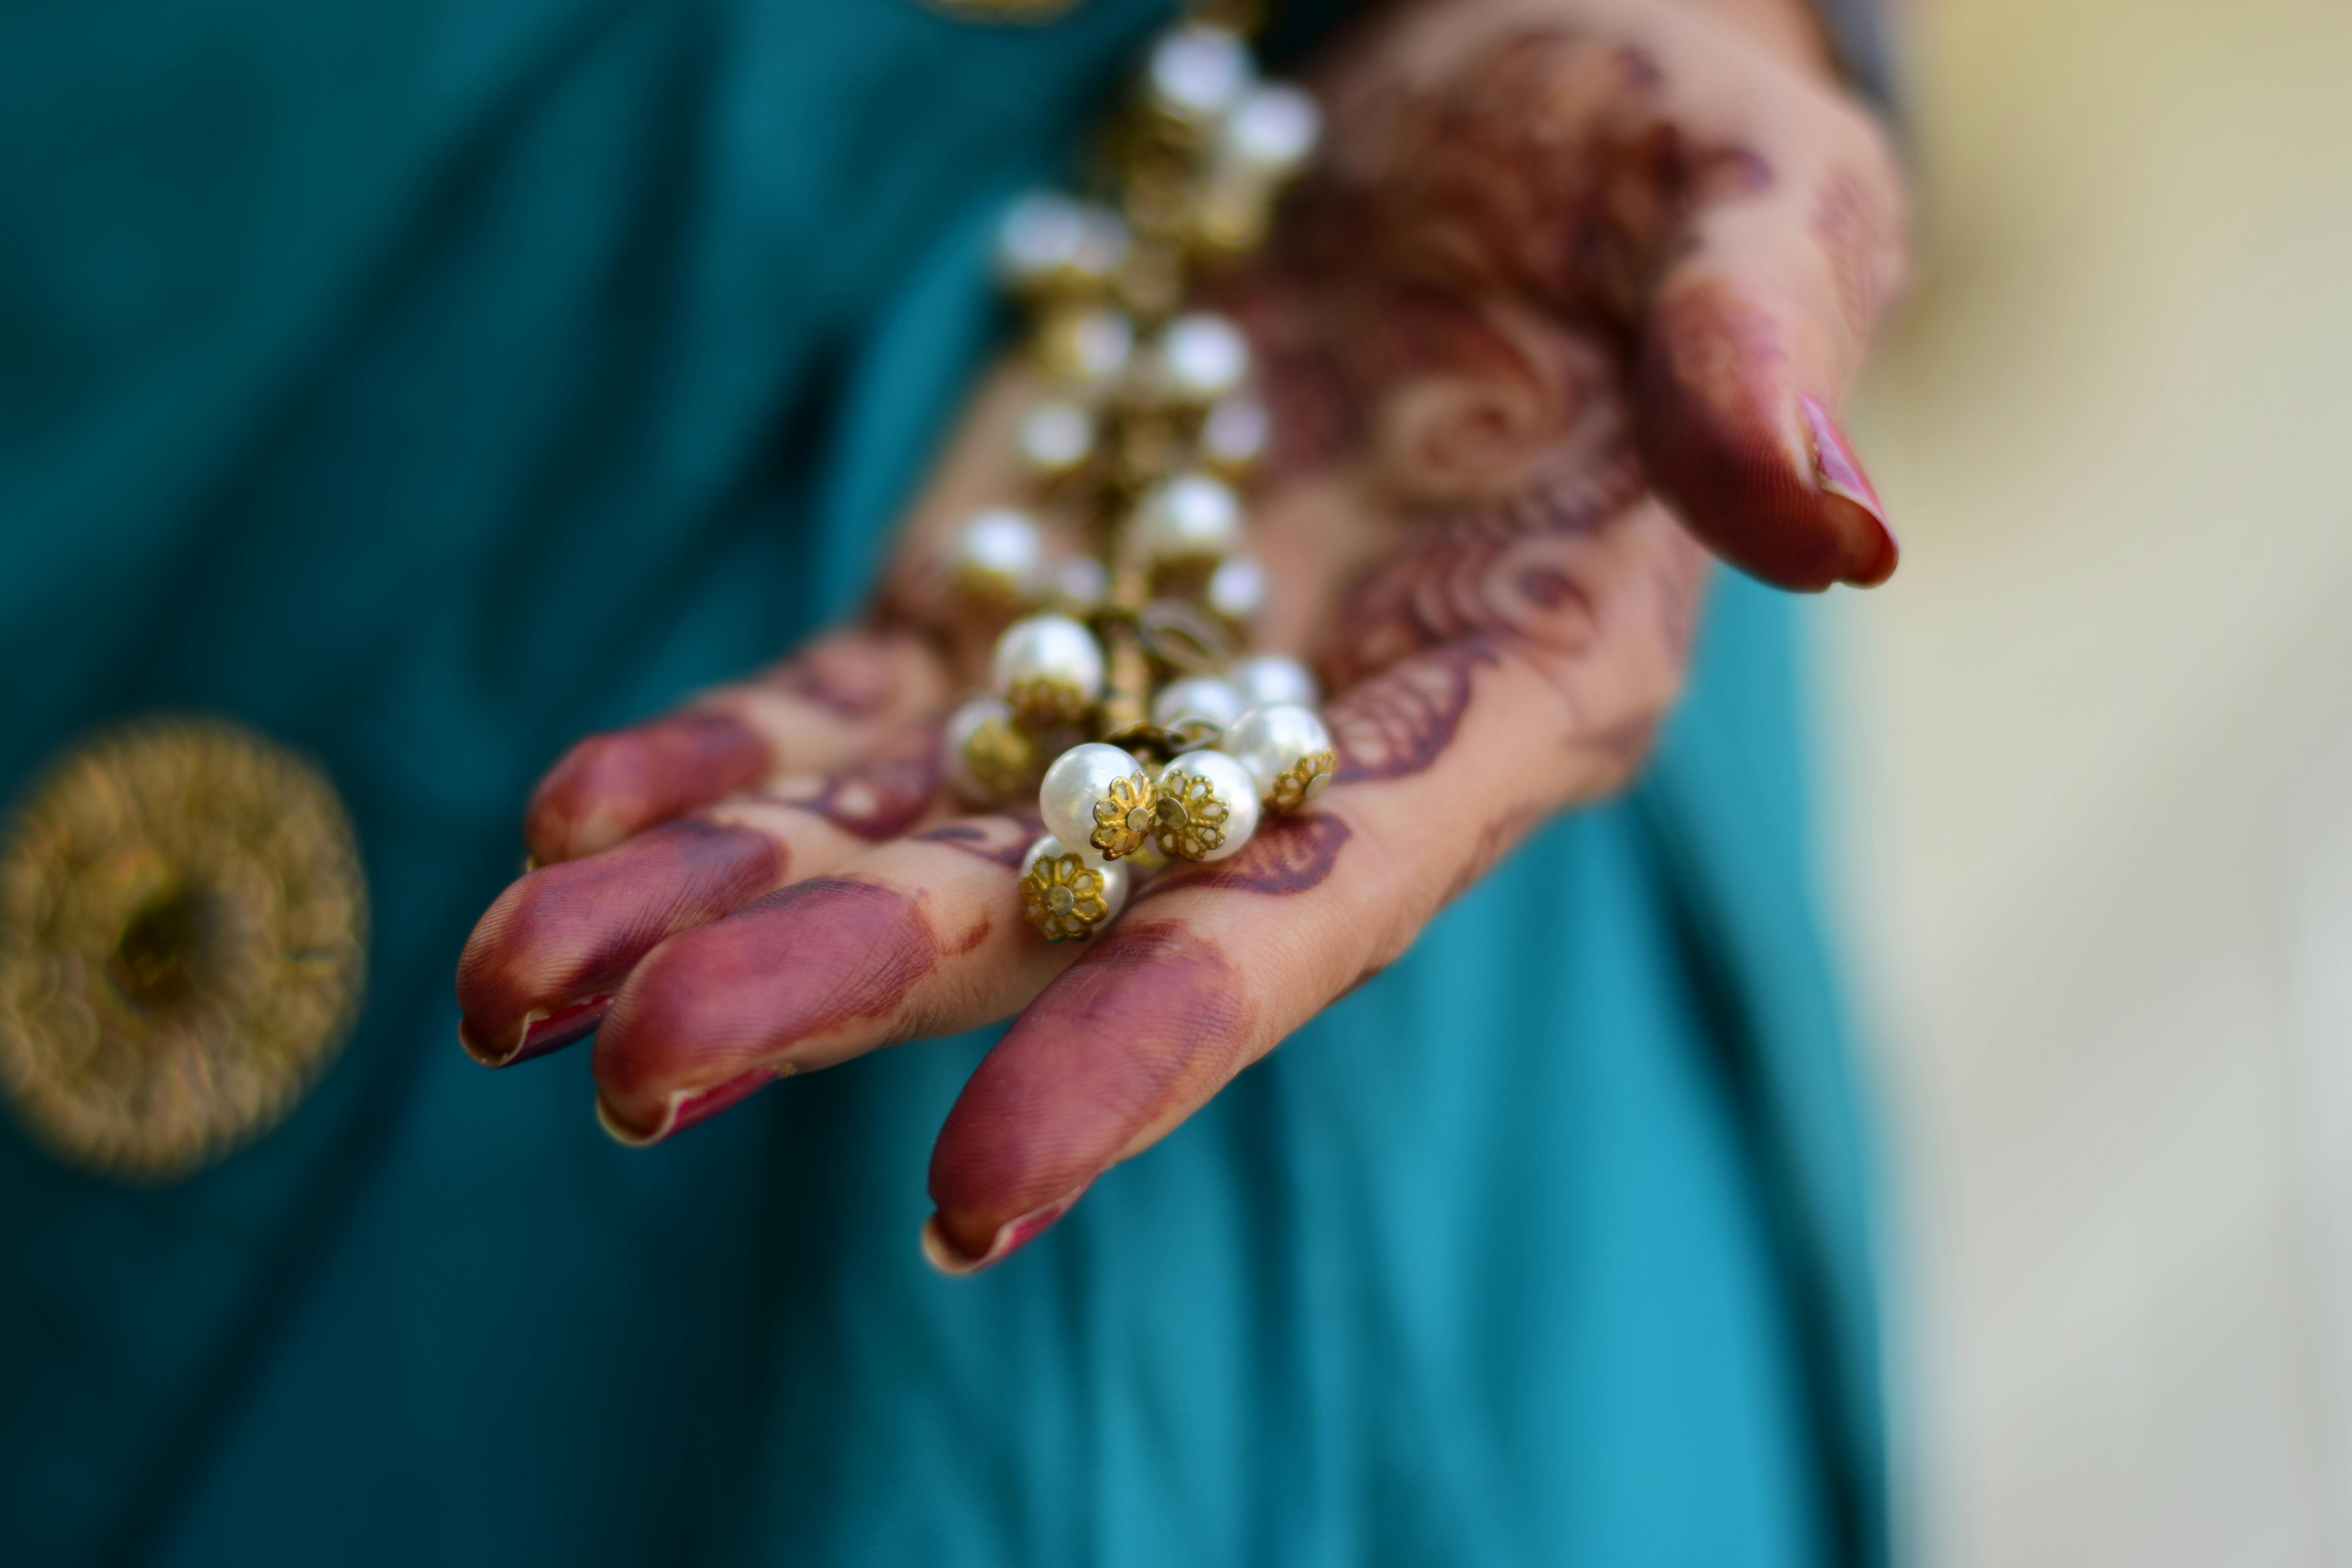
(1565, 305)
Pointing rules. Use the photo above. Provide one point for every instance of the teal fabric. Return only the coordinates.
(425, 383)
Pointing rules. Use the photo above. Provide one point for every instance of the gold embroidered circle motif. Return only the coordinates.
(182, 944)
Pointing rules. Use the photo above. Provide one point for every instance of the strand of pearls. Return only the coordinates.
(1120, 690)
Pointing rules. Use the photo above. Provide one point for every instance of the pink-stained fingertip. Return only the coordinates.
(1839, 473)
(945, 1255)
(542, 1031)
(611, 786)
(685, 1107)
(1748, 460)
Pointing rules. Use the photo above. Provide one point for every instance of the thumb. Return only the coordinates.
(1750, 341)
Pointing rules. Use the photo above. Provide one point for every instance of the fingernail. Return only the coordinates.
(542, 1031)
(1839, 472)
(685, 1107)
(945, 1255)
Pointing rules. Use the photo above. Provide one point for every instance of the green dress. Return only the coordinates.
(425, 384)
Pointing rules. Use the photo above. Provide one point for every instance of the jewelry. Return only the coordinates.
(1119, 689)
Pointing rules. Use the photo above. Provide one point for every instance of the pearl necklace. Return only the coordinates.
(1119, 692)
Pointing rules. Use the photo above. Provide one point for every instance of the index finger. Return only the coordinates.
(830, 704)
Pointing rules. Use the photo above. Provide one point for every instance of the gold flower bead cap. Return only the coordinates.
(1189, 818)
(1302, 781)
(1002, 758)
(183, 945)
(1044, 702)
(1125, 816)
(1064, 898)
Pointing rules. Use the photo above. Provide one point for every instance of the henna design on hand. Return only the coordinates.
(1545, 170)
(1286, 857)
(1448, 331)
(1400, 722)
(1851, 226)
(1518, 572)
(1001, 839)
(1502, 232)
(611, 786)
(798, 963)
(571, 930)
(1154, 1016)
(880, 798)
(852, 675)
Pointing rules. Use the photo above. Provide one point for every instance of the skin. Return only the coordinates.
(1563, 312)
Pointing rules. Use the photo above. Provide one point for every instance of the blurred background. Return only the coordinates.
(2093, 770)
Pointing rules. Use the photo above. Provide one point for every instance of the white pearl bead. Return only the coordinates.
(1273, 130)
(1236, 434)
(1274, 678)
(1079, 777)
(1271, 678)
(961, 724)
(1046, 238)
(1198, 74)
(1080, 584)
(1048, 648)
(1001, 549)
(1038, 232)
(1274, 738)
(1236, 589)
(1056, 437)
(1190, 516)
(1103, 246)
(1196, 696)
(1092, 346)
(1234, 786)
(1115, 877)
(1202, 358)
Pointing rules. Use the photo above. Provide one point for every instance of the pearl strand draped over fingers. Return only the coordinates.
(1131, 582)
(1562, 308)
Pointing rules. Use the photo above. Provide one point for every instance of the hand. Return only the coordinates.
(1577, 281)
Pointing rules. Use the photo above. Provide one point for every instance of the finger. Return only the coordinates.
(827, 705)
(1450, 756)
(1740, 215)
(1753, 336)
(544, 963)
(923, 936)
